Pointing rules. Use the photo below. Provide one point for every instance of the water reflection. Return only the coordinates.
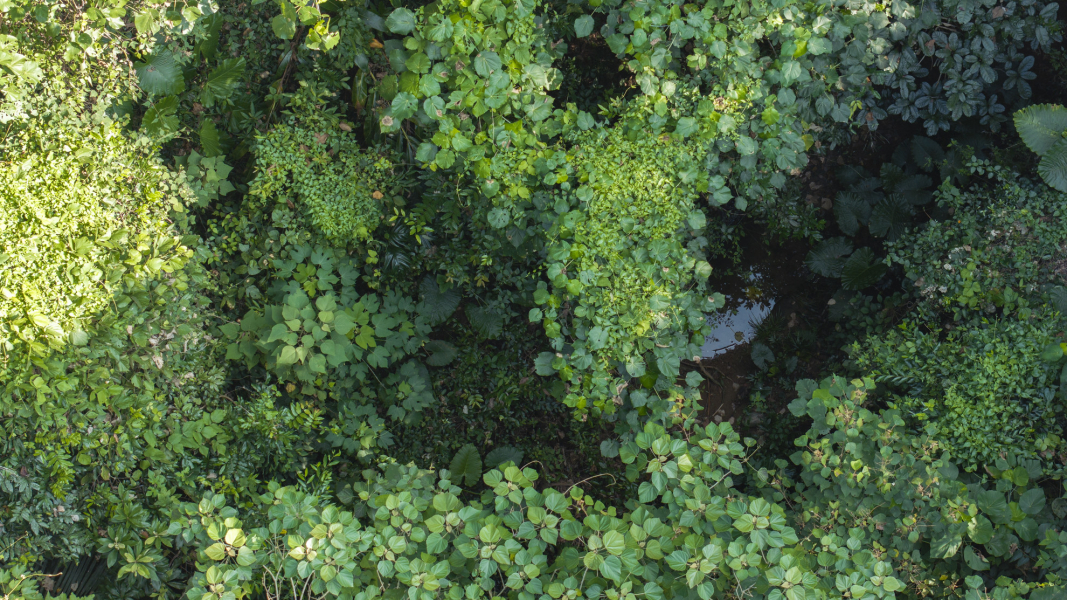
(747, 303)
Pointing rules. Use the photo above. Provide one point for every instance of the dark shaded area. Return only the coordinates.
(595, 74)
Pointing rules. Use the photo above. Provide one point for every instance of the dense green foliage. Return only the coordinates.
(86, 205)
(998, 255)
(268, 268)
(339, 198)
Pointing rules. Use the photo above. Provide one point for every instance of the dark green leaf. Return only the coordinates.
(1033, 501)
(861, 270)
(466, 466)
(437, 305)
(221, 81)
(1041, 126)
(284, 28)
(827, 259)
(401, 21)
(441, 353)
(1053, 166)
(852, 212)
(502, 455)
(209, 139)
(583, 26)
(487, 322)
(160, 74)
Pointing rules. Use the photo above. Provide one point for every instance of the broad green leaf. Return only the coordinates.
(612, 568)
(861, 270)
(598, 337)
(993, 504)
(283, 27)
(401, 21)
(819, 45)
(746, 146)
(287, 356)
(980, 530)
(426, 152)
(160, 118)
(216, 551)
(160, 75)
(1041, 126)
(221, 81)
(827, 259)
(1033, 501)
(946, 546)
(441, 353)
(686, 126)
(498, 218)
(467, 465)
(583, 26)
(1053, 166)
(209, 139)
(437, 305)
(852, 212)
(404, 106)
(145, 22)
(486, 62)
(502, 455)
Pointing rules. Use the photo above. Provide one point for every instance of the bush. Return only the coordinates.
(982, 391)
(947, 534)
(84, 218)
(625, 289)
(1000, 252)
(328, 267)
(690, 533)
(323, 176)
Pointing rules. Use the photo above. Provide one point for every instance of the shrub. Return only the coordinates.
(457, 68)
(981, 390)
(690, 532)
(998, 254)
(948, 534)
(84, 218)
(322, 176)
(625, 289)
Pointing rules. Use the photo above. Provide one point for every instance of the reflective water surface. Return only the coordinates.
(734, 325)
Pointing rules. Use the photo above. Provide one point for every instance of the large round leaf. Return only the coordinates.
(1053, 166)
(1041, 126)
(160, 75)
